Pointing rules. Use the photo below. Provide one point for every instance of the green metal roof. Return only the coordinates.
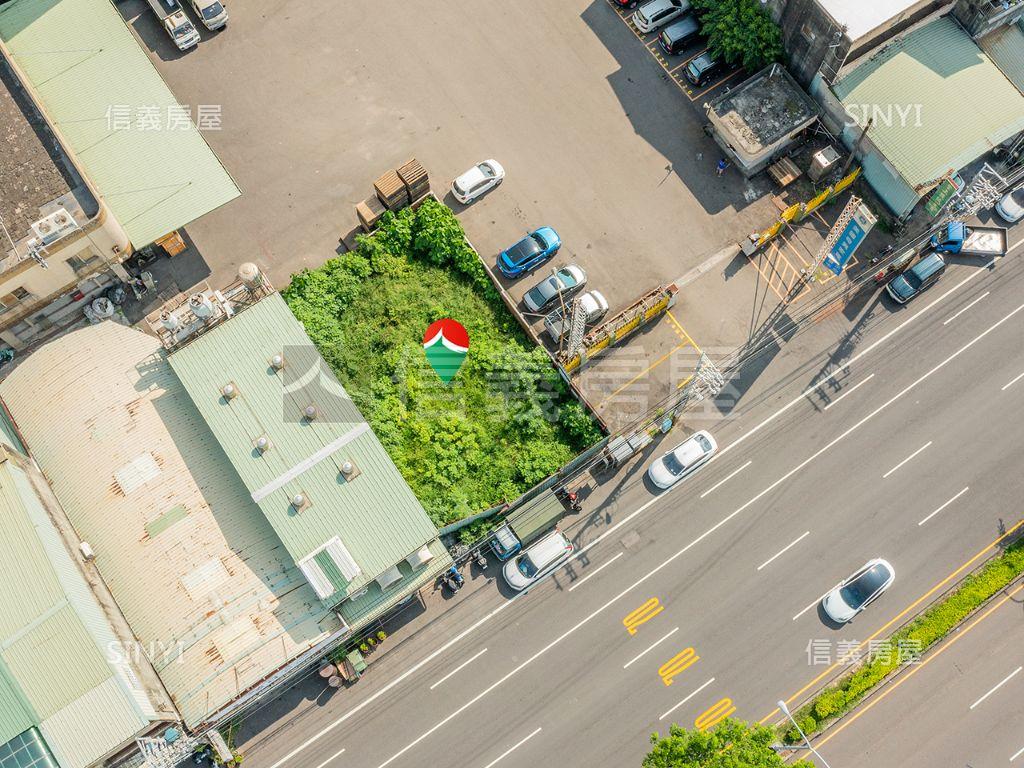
(1005, 46)
(53, 671)
(80, 60)
(374, 514)
(967, 106)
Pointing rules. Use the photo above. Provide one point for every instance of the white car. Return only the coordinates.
(657, 13)
(855, 593)
(565, 280)
(477, 180)
(1011, 206)
(683, 460)
(212, 13)
(537, 561)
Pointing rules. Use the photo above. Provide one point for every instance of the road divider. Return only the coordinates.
(678, 663)
(677, 706)
(933, 514)
(466, 663)
(725, 479)
(997, 686)
(1012, 381)
(511, 749)
(331, 759)
(785, 549)
(953, 317)
(595, 571)
(649, 649)
(911, 456)
(850, 391)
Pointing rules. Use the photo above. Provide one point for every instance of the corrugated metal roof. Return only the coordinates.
(1005, 46)
(53, 637)
(81, 60)
(375, 514)
(89, 403)
(958, 105)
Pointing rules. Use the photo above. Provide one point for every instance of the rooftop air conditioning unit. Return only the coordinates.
(52, 228)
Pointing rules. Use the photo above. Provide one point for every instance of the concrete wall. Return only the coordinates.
(979, 17)
(808, 34)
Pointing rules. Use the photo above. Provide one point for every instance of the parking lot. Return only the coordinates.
(598, 137)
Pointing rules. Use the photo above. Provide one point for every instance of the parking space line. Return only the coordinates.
(933, 514)
(677, 706)
(650, 648)
(679, 327)
(1013, 381)
(723, 81)
(794, 249)
(468, 661)
(684, 63)
(849, 391)
(953, 317)
(915, 453)
(596, 571)
(997, 686)
(784, 549)
(725, 479)
(511, 749)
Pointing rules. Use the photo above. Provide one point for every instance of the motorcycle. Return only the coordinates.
(479, 559)
(453, 579)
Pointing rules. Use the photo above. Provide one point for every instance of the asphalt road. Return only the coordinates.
(960, 707)
(927, 410)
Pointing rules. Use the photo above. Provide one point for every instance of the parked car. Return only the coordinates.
(858, 591)
(680, 34)
(537, 561)
(657, 13)
(212, 13)
(683, 460)
(565, 280)
(529, 253)
(703, 69)
(1011, 206)
(594, 306)
(477, 180)
(917, 279)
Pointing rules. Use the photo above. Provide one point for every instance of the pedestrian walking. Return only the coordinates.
(722, 165)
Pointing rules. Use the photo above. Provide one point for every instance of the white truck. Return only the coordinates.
(175, 23)
(594, 307)
(212, 13)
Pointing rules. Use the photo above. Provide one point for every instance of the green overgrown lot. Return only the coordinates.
(922, 633)
(504, 423)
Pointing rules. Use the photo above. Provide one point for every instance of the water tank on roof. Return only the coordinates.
(201, 305)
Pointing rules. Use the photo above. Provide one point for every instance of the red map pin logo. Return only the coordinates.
(446, 343)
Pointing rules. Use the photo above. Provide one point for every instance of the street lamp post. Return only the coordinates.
(785, 710)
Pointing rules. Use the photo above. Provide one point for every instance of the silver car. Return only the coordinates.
(537, 561)
(683, 460)
(1011, 206)
(565, 280)
(657, 13)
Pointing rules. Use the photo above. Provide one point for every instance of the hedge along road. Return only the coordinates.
(726, 494)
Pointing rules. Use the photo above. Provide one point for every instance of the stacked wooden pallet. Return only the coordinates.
(391, 191)
(369, 212)
(414, 176)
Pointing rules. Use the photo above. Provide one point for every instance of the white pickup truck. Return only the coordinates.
(594, 307)
(175, 23)
(212, 13)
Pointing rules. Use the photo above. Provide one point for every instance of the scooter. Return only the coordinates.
(479, 559)
(453, 579)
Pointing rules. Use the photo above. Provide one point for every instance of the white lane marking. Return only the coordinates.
(677, 706)
(596, 571)
(871, 347)
(725, 479)
(850, 390)
(955, 316)
(329, 759)
(628, 518)
(998, 685)
(1017, 755)
(1012, 382)
(471, 659)
(906, 459)
(933, 514)
(805, 610)
(650, 648)
(784, 549)
(508, 751)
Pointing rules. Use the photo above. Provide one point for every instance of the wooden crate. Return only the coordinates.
(391, 190)
(369, 212)
(414, 176)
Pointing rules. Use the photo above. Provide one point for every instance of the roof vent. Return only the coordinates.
(229, 390)
(263, 444)
(169, 321)
(53, 227)
(201, 305)
(349, 470)
(87, 551)
(277, 362)
(310, 412)
(300, 501)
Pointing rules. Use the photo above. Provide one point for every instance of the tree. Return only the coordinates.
(730, 744)
(740, 32)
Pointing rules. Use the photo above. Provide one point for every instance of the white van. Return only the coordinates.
(212, 13)
(537, 561)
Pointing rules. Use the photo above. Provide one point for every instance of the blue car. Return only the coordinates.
(529, 253)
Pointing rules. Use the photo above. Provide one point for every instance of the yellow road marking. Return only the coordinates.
(712, 87)
(643, 373)
(675, 665)
(683, 64)
(896, 618)
(642, 615)
(682, 330)
(795, 250)
(714, 715)
(918, 667)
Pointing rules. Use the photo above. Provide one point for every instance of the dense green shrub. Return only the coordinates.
(923, 632)
(741, 32)
(506, 420)
(730, 744)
